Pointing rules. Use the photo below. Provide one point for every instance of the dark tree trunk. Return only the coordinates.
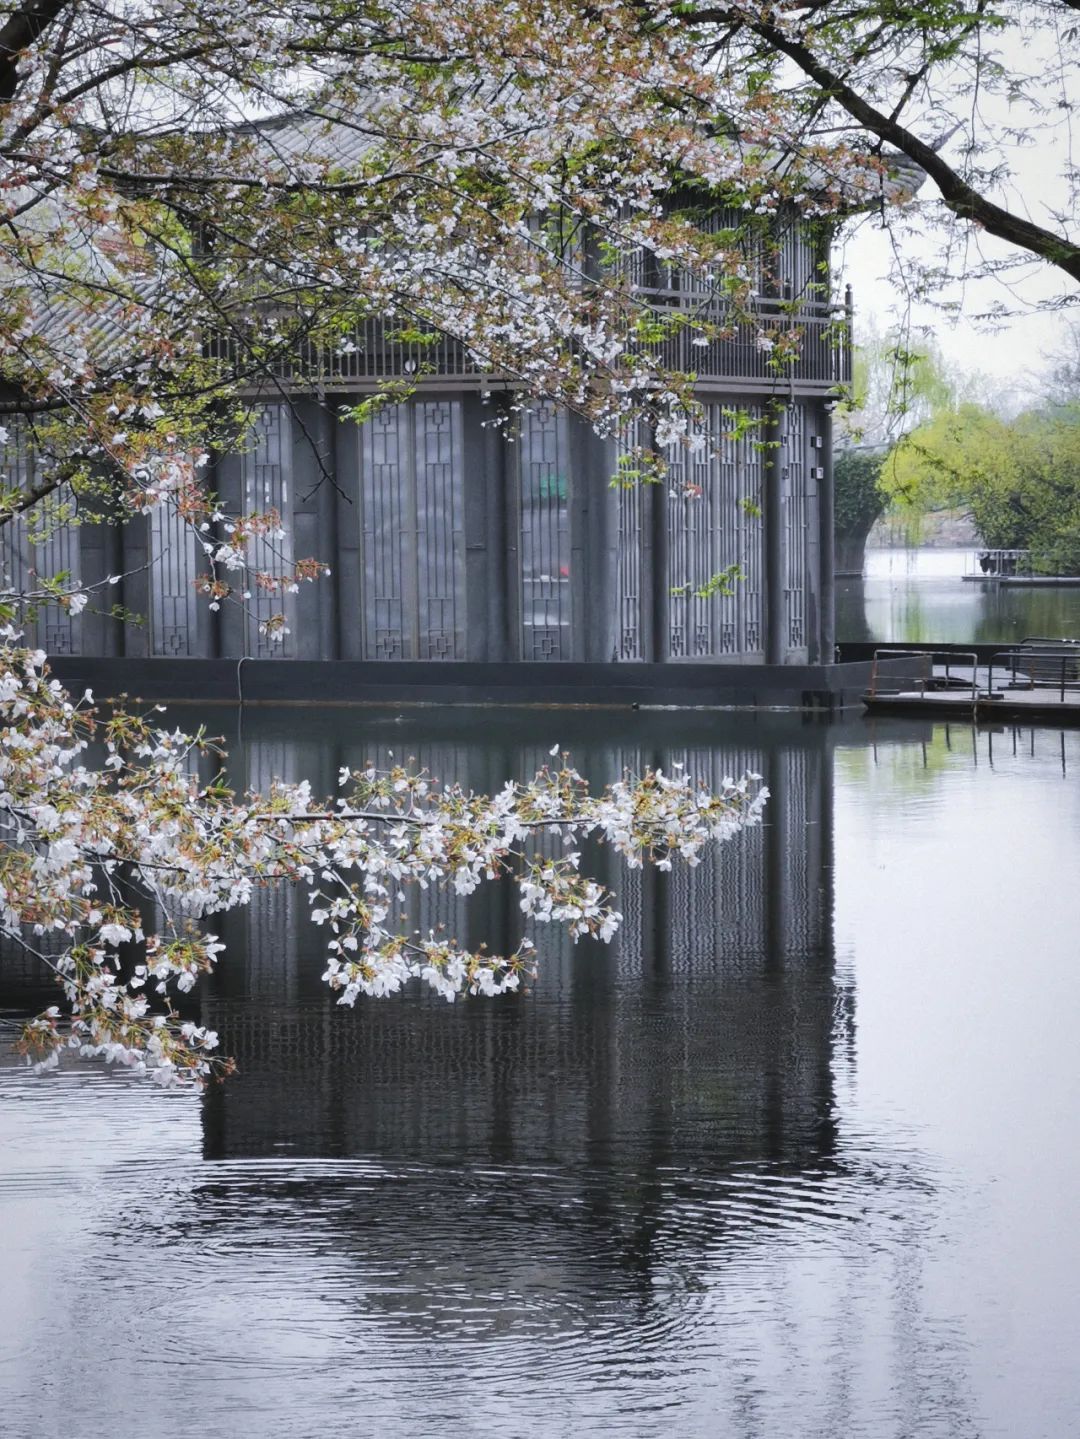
(851, 550)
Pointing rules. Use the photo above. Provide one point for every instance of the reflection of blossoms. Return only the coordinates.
(85, 853)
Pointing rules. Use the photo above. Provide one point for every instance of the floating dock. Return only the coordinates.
(1035, 705)
(1037, 681)
(1021, 581)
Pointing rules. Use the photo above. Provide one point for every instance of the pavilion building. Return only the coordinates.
(452, 538)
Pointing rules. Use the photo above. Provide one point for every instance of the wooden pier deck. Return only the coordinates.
(1037, 681)
(1034, 705)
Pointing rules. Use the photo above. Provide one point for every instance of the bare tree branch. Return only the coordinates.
(961, 197)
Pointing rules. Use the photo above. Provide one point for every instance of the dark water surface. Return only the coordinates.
(919, 595)
(796, 1157)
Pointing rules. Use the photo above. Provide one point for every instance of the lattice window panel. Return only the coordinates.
(795, 514)
(690, 286)
(440, 532)
(544, 535)
(173, 600)
(266, 478)
(631, 579)
(22, 560)
(796, 262)
(412, 522)
(714, 500)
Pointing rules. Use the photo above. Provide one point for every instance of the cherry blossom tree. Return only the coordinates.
(194, 195)
(199, 204)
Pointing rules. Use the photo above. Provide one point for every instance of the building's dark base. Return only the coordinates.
(798, 687)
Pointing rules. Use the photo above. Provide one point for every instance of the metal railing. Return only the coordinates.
(992, 564)
(1039, 665)
(899, 671)
(815, 337)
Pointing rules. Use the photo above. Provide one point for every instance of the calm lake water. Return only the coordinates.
(919, 595)
(797, 1157)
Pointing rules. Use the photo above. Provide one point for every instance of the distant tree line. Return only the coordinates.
(1018, 479)
(915, 439)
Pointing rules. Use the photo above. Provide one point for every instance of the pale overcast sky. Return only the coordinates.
(1014, 352)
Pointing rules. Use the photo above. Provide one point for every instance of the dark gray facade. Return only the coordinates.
(450, 537)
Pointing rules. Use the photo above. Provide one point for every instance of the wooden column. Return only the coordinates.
(774, 541)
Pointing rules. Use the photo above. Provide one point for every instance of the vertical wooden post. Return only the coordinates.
(827, 539)
(774, 540)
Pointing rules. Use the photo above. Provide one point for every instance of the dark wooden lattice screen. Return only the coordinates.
(412, 517)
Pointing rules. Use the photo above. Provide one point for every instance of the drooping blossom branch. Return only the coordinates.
(110, 872)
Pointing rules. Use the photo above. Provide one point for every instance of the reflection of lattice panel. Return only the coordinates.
(694, 917)
(808, 916)
(718, 909)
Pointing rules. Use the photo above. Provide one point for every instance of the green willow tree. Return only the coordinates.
(896, 387)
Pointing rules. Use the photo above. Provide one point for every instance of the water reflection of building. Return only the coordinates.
(624, 1190)
(702, 1036)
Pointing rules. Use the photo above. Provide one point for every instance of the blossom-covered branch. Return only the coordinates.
(109, 870)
